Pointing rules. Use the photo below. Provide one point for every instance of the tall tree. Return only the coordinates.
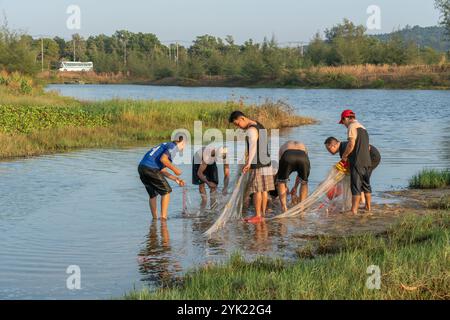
(444, 7)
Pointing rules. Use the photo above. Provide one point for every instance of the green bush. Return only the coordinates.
(430, 179)
(20, 119)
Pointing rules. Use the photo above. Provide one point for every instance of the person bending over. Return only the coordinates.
(153, 173)
(293, 157)
(205, 171)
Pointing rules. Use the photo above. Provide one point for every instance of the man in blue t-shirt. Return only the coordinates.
(153, 173)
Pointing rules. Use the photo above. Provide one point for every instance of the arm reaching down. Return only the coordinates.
(167, 163)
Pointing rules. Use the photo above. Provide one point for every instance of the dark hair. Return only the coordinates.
(235, 115)
(179, 138)
(330, 140)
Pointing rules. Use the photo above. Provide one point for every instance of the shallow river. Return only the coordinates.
(88, 208)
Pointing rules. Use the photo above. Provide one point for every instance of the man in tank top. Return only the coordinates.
(258, 163)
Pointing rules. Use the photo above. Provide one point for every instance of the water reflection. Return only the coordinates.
(157, 263)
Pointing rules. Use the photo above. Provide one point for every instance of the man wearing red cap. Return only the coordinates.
(357, 153)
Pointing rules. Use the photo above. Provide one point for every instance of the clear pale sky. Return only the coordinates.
(288, 20)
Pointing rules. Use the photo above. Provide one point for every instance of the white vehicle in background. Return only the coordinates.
(76, 66)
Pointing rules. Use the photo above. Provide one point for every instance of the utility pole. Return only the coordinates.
(177, 55)
(74, 48)
(124, 53)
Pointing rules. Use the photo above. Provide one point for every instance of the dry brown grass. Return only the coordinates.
(377, 71)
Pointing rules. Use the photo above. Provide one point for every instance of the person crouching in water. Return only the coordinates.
(258, 163)
(358, 154)
(153, 173)
(205, 171)
(335, 146)
(293, 157)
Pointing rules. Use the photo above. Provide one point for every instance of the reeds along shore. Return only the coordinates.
(35, 123)
(340, 77)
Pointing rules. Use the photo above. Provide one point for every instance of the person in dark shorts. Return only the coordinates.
(205, 171)
(335, 146)
(153, 173)
(357, 153)
(293, 158)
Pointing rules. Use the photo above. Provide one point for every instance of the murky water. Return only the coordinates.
(88, 208)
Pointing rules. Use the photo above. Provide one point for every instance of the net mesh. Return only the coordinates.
(233, 206)
(332, 195)
(334, 189)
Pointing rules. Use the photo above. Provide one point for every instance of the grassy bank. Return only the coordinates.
(38, 123)
(430, 179)
(412, 256)
(342, 77)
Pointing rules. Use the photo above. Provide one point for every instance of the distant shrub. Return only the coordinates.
(430, 179)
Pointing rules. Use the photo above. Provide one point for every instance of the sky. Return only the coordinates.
(287, 20)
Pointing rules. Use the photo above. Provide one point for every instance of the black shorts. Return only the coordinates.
(294, 160)
(154, 181)
(360, 180)
(211, 173)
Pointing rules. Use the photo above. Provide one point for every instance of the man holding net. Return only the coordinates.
(357, 153)
(258, 162)
(334, 146)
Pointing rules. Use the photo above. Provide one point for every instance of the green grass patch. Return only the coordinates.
(430, 179)
(42, 123)
(412, 256)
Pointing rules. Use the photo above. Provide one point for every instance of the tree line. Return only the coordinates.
(143, 55)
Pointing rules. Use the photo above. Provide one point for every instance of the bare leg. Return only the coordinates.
(165, 239)
(282, 194)
(257, 201)
(368, 201)
(265, 200)
(303, 192)
(363, 198)
(213, 197)
(355, 204)
(202, 190)
(154, 207)
(165, 199)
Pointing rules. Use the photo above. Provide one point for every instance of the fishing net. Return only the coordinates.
(334, 190)
(233, 206)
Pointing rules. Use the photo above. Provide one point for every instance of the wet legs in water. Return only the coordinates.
(165, 199)
(260, 203)
(204, 196)
(282, 193)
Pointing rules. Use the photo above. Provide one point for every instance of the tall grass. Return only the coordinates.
(29, 126)
(412, 257)
(430, 179)
(372, 76)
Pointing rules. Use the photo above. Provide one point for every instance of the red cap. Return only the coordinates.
(346, 114)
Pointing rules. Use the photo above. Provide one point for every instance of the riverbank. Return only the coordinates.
(40, 123)
(412, 256)
(342, 77)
